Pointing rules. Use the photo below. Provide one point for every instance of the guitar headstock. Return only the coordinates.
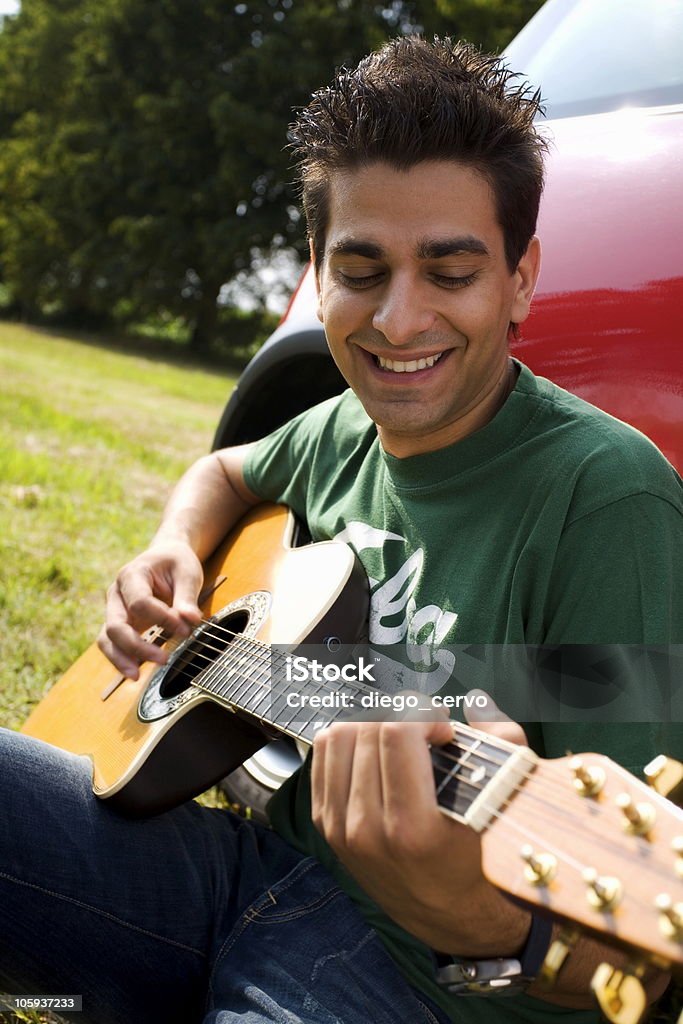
(594, 846)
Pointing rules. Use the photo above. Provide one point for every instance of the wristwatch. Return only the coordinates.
(503, 976)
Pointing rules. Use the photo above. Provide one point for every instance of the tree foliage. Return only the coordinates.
(142, 142)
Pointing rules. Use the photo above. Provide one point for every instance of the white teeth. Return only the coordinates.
(411, 367)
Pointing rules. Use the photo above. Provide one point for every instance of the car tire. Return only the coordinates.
(249, 788)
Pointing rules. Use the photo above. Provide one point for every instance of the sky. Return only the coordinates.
(9, 6)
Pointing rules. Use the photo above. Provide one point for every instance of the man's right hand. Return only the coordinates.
(158, 588)
(161, 586)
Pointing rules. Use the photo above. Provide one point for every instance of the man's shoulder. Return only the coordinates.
(605, 458)
(340, 412)
(340, 423)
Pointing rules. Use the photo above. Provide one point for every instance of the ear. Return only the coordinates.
(317, 271)
(526, 276)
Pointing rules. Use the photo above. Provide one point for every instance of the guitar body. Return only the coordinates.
(257, 586)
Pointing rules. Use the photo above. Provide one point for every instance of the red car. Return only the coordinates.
(606, 322)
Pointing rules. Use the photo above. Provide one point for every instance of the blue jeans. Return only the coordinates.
(194, 915)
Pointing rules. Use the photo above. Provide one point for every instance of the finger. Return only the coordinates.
(331, 780)
(185, 583)
(318, 780)
(490, 719)
(138, 588)
(408, 788)
(420, 708)
(121, 643)
(365, 799)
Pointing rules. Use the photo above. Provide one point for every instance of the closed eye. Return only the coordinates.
(364, 281)
(442, 280)
(447, 281)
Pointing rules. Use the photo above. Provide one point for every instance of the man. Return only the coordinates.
(486, 505)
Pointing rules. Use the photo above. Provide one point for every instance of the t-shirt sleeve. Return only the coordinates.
(278, 467)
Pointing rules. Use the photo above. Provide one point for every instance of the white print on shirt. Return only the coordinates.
(423, 629)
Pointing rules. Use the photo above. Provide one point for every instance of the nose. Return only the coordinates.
(403, 311)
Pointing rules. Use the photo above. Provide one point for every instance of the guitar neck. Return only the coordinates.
(474, 775)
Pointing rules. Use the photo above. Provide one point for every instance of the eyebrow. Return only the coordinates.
(435, 249)
(427, 249)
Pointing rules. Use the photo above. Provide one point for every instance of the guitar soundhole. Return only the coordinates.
(200, 652)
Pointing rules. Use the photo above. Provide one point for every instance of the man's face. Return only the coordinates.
(416, 299)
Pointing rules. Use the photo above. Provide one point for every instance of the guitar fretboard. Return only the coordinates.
(251, 678)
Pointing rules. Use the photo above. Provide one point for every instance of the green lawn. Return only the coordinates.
(91, 440)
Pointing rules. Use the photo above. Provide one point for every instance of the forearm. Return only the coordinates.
(208, 500)
(484, 925)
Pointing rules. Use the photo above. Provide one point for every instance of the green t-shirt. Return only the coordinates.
(553, 524)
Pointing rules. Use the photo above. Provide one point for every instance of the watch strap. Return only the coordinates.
(499, 976)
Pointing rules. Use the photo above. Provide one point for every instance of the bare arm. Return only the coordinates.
(161, 585)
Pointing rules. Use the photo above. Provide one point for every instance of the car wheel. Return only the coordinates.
(250, 787)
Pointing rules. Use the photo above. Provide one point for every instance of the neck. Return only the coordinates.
(471, 420)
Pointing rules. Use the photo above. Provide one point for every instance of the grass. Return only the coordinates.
(91, 441)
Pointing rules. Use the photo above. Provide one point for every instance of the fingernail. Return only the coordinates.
(480, 711)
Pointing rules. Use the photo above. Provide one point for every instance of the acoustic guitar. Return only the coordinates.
(577, 837)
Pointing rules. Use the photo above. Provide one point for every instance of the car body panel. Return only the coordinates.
(606, 320)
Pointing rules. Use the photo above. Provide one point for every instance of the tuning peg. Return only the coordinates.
(604, 892)
(666, 777)
(620, 994)
(540, 867)
(638, 818)
(671, 917)
(588, 781)
(555, 958)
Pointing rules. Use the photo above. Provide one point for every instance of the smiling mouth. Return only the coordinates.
(396, 366)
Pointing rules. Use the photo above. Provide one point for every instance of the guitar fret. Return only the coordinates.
(252, 684)
(307, 731)
(454, 793)
(252, 679)
(451, 774)
(462, 773)
(232, 674)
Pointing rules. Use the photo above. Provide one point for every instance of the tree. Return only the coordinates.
(143, 142)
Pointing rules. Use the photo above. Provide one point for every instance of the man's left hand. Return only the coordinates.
(374, 801)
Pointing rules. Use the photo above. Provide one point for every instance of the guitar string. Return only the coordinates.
(264, 684)
(442, 752)
(265, 662)
(566, 858)
(448, 773)
(635, 898)
(460, 761)
(264, 654)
